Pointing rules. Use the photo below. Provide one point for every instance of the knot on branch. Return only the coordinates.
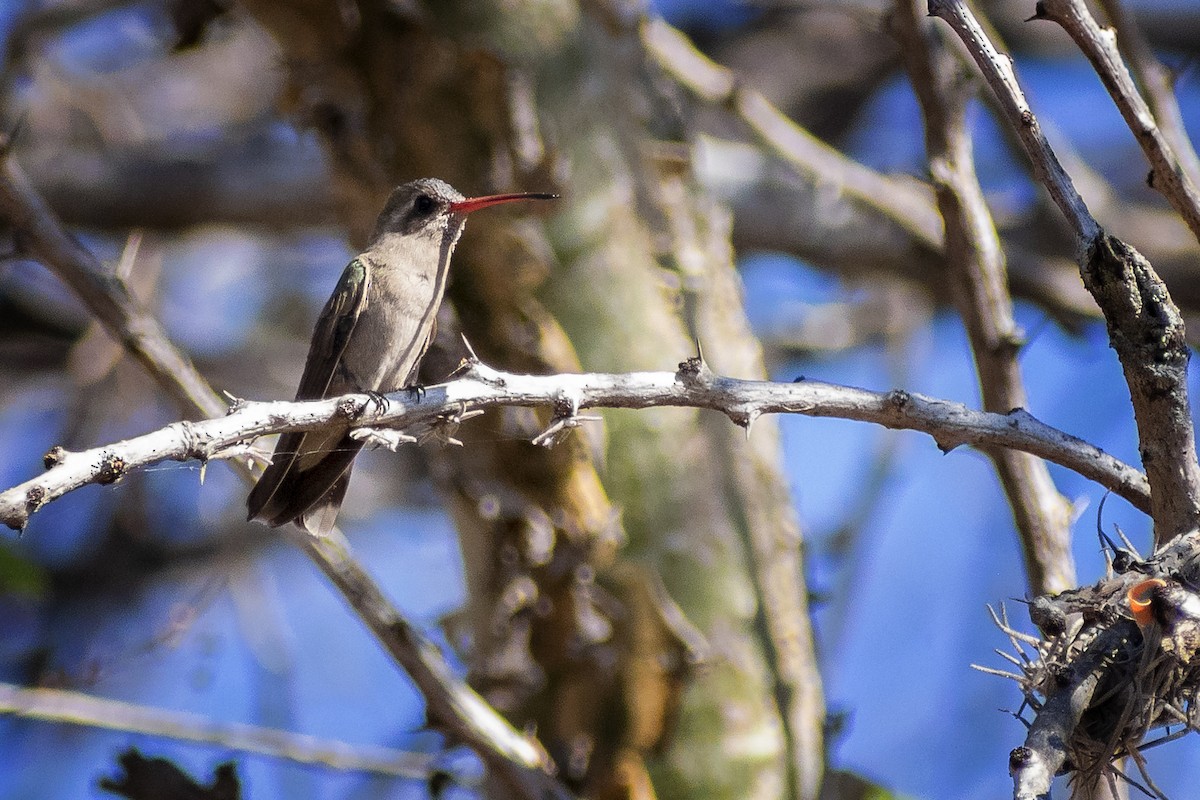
(1142, 318)
(54, 456)
(112, 469)
(235, 403)
(1039, 12)
(566, 418)
(442, 429)
(897, 400)
(694, 372)
(34, 499)
(1019, 416)
(350, 408)
(192, 448)
(1019, 757)
(743, 416)
(1010, 343)
(471, 367)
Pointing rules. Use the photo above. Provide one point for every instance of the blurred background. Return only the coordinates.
(225, 159)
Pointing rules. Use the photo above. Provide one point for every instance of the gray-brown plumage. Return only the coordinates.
(369, 338)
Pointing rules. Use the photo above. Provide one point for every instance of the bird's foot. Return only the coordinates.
(380, 401)
(374, 398)
(416, 392)
(381, 437)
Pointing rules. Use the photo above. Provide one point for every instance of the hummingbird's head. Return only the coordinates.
(432, 207)
(420, 206)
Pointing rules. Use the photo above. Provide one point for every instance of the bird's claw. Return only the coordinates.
(416, 392)
(376, 399)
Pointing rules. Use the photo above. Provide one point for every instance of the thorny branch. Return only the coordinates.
(950, 424)
(1156, 81)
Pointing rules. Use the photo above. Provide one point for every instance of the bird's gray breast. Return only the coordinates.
(395, 323)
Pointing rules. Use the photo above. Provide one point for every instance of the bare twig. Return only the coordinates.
(1156, 81)
(950, 424)
(1144, 325)
(976, 271)
(76, 708)
(517, 760)
(1100, 47)
(998, 71)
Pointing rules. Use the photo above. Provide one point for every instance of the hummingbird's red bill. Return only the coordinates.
(475, 203)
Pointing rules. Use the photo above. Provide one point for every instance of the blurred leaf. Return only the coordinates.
(20, 576)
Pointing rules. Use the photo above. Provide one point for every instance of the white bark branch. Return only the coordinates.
(950, 424)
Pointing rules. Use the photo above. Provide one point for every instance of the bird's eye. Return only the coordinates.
(424, 204)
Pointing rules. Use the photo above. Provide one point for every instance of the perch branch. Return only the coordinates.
(950, 424)
(1144, 325)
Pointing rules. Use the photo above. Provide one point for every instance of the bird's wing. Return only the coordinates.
(333, 330)
(307, 464)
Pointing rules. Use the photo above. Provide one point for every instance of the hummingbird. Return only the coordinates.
(370, 337)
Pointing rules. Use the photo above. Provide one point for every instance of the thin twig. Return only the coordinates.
(1156, 80)
(77, 708)
(950, 424)
(998, 72)
(104, 293)
(1099, 45)
(814, 160)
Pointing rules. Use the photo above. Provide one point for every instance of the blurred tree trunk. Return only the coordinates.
(568, 633)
